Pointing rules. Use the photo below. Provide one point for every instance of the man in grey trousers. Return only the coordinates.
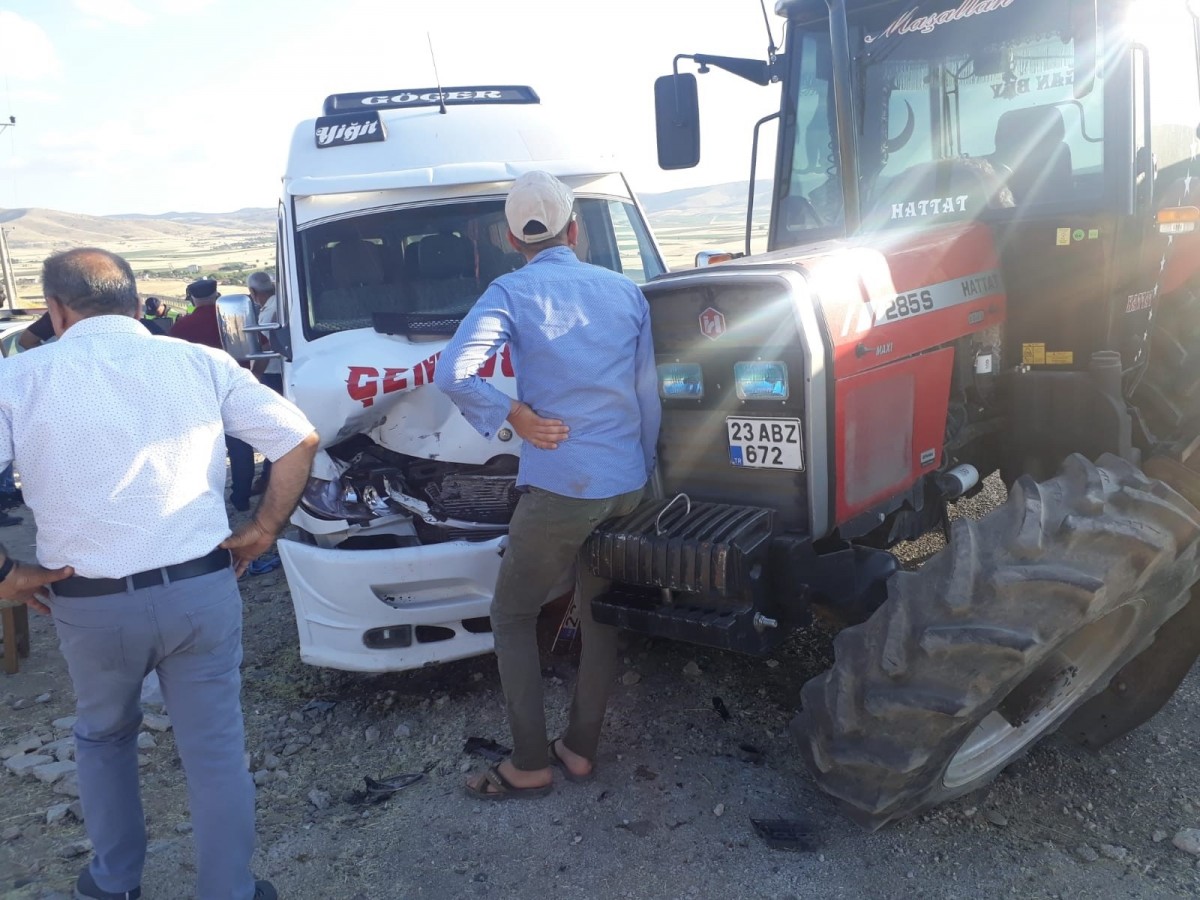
(136, 561)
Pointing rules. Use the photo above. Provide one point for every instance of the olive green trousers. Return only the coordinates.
(544, 541)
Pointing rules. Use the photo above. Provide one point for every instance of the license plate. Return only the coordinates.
(765, 443)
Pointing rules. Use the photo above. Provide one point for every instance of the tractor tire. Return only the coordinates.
(998, 639)
(1169, 394)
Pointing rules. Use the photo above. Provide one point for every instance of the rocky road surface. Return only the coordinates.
(669, 814)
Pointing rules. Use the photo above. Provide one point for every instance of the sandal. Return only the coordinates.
(495, 786)
(558, 761)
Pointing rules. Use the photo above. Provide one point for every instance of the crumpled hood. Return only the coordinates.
(362, 382)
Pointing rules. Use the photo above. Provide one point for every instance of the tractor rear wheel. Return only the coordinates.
(998, 639)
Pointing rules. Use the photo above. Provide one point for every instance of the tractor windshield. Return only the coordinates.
(960, 108)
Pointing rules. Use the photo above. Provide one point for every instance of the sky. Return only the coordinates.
(151, 106)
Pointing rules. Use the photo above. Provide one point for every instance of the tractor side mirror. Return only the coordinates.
(677, 121)
(1085, 33)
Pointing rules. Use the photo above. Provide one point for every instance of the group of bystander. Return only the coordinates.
(137, 562)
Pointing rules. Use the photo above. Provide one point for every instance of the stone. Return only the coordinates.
(1086, 853)
(319, 798)
(23, 744)
(996, 818)
(66, 723)
(21, 704)
(26, 762)
(402, 731)
(692, 668)
(53, 771)
(57, 813)
(75, 848)
(10, 834)
(76, 809)
(183, 828)
(719, 810)
(155, 722)
(42, 698)
(1159, 836)
(1113, 851)
(630, 678)
(68, 787)
(371, 735)
(261, 777)
(292, 749)
(1188, 840)
(146, 741)
(772, 664)
(270, 762)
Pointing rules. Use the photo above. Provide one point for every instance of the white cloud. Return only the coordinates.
(26, 53)
(180, 7)
(113, 12)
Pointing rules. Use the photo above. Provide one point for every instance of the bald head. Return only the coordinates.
(91, 282)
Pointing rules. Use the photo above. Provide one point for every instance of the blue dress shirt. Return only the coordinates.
(582, 352)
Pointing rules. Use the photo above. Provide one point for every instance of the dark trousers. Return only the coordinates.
(241, 470)
(274, 381)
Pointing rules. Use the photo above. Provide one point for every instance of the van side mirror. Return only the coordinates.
(237, 320)
(677, 121)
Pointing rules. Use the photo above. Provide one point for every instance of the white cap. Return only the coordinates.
(538, 207)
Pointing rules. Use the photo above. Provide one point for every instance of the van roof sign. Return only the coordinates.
(406, 97)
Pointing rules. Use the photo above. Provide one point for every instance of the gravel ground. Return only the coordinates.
(668, 815)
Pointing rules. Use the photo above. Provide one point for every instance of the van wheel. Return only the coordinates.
(998, 639)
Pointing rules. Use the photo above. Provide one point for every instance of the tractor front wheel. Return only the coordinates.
(996, 641)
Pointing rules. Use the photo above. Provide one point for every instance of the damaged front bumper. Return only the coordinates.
(392, 609)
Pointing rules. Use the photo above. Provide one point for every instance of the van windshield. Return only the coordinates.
(435, 261)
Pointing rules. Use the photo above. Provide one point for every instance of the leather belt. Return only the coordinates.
(78, 586)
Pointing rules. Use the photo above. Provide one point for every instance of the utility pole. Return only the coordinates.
(8, 282)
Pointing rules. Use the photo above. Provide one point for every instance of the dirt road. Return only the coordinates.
(668, 816)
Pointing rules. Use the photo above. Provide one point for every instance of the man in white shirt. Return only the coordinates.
(134, 548)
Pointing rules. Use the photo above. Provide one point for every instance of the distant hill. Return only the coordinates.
(42, 230)
(48, 229)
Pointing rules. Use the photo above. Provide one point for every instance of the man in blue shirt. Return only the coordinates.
(588, 413)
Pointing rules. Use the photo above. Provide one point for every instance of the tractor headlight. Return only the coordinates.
(761, 380)
(680, 381)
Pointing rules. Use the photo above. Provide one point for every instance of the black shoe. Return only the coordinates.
(240, 505)
(87, 889)
(6, 520)
(264, 890)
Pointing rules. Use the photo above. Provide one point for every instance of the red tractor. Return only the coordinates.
(978, 262)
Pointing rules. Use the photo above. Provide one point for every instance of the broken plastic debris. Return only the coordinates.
(787, 834)
(378, 791)
(487, 748)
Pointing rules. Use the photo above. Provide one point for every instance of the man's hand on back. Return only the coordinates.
(26, 583)
(545, 434)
